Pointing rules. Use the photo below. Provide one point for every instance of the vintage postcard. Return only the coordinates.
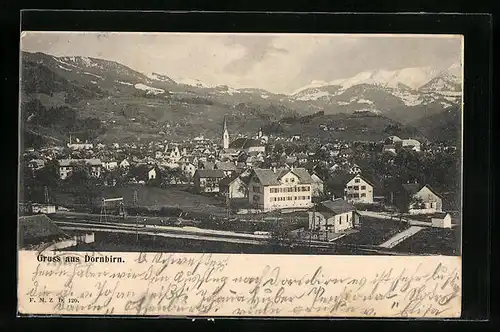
(240, 175)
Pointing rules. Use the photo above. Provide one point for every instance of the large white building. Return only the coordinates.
(272, 189)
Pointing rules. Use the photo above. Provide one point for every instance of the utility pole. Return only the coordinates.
(228, 204)
(46, 194)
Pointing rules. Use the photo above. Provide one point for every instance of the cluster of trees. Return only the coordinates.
(61, 119)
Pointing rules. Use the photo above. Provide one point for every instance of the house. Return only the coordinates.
(441, 220)
(317, 186)
(412, 144)
(188, 169)
(109, 165)
(66, 167)
(124, 164)
(247, 145)
(354, 169)
(417, 199)
(333, 216)
(36, 164)
(389, 148)
(227, 167)
(152, 173)
(43, 208)
(359, 190)
(271, 189)
(233, 186)
(207, 180)
(172, 153)
(80, 146)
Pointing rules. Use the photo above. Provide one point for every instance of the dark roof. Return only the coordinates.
(225, 166)
(244, 143)
(37, 227)
(210, 173)
(412, 188)
(228, 180)
(433, 191)
(337, 206)
(270, 177)
(363, 177)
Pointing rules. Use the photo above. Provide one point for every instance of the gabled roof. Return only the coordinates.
(363, 178)
(225, 166)
(228, 180)
(32, 228)
(412, 188)
(210, 173)
(337, 206)
(244, 143)
(269, 177)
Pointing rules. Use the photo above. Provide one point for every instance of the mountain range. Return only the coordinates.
(149, 105)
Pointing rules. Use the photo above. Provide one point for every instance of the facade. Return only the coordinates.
(173, 153)
(247, 145)
(188, 169)
(317, 186)
(413, 144)
(66, 167)
(152, 174)
(207, 180)
(359, 190)
(233, 186)
(80, 146)
(124, 164)
(333, 216)
(109, 165)
(422, 199)
(43, 208)
(36, 164)
(272, 189)
(441, 220)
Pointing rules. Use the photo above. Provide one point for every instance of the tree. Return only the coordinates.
(280, 236)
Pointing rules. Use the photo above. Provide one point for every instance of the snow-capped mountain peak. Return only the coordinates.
(193, 82)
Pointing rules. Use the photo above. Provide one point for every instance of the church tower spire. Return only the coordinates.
(225, 135)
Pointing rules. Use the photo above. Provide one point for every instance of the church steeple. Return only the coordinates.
(225, 135)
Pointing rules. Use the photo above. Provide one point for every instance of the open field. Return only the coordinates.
(373, 231)
(433, 241)
(147, 196)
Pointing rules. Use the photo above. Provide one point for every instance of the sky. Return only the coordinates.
(280, 63)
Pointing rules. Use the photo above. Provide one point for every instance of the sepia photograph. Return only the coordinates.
(310, 144)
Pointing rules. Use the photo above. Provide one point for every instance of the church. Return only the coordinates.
(240, 145)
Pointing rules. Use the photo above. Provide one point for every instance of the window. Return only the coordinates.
(308, 188)
(349, 187)
(340, 220)
(363, 187)
(308, 197)
(363, 195)
(295, 198)
(356, 187)
(292, 180)
(356, 180)
(286, 180)
(289, 198)
(256, 189)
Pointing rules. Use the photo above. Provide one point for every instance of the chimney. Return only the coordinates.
(274, 169)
